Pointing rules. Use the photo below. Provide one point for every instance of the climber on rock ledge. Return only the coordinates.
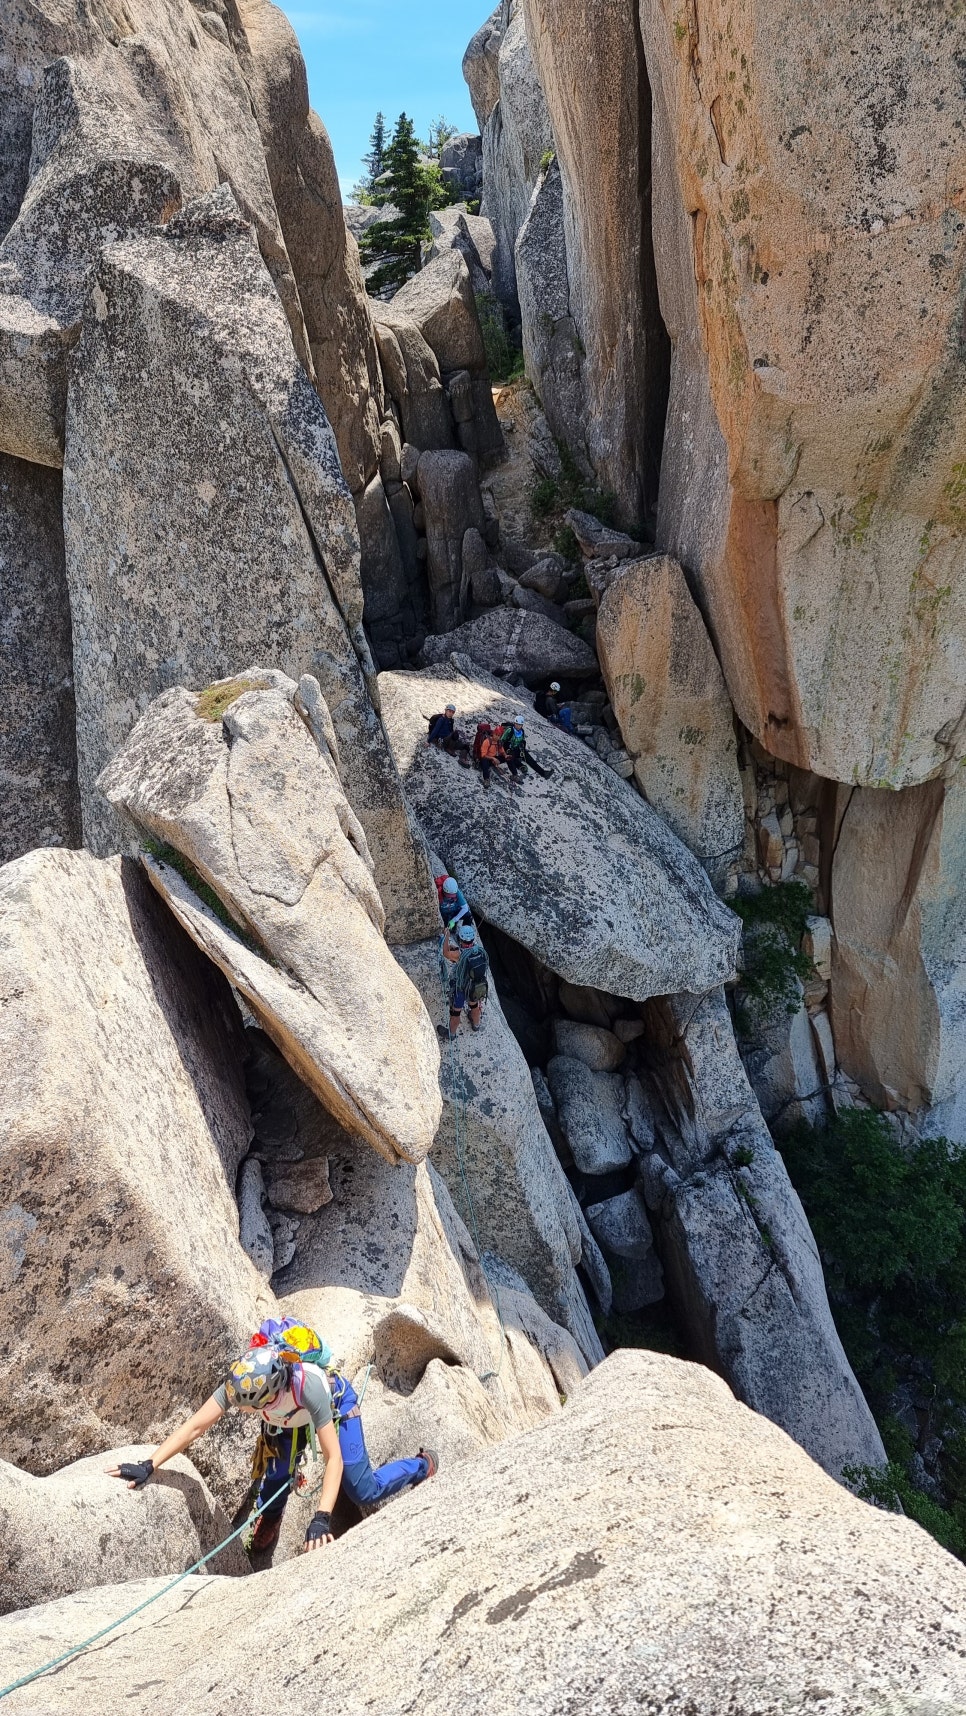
(300, 1404)
(468, 986)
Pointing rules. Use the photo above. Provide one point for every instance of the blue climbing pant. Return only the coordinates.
(360, 1480)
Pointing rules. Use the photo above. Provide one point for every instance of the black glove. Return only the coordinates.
(136, 1472)
(320, 1525)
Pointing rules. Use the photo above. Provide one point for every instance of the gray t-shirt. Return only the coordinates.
(285, 1412)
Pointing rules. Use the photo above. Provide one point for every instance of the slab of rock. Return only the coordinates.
(480, 66)
(782, 1064)
(254, 1228)
(613, 899)
(244, 444)
(413, 380)
(382, 571)
(675, 715)
(601, 541)
(492, 1140)
(39, 804)
(516, 642)
(553, 348)
(654, 1478)
(461, 161)
(246, 787)
(830, 579)
(741, 1266)
(599, 1049)
(125, 1124)
(898, 959)
(516, 134)
(78, 1528)
(450, 495)
(590, 1113)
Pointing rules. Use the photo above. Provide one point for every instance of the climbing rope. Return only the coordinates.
(65, 1656)
(459, 1090)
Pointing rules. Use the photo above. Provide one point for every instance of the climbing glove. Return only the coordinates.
(320, 1525)
(136, 1471)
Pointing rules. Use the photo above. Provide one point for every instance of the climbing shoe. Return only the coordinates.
(432, 1461)
(265, 1535)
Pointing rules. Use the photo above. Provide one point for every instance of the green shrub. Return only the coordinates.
(892, 1488)
(775, 921)
(176, 860)
(504, 356)
(890, 1223)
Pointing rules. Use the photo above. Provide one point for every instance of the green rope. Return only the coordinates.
(76, 1650)
(456, 1074)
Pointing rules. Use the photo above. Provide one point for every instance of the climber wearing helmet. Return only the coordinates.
(453, 908)
(297, 1404)
(468, 986)
(547, 704)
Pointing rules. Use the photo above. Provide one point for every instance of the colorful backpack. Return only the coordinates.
(297, 1344)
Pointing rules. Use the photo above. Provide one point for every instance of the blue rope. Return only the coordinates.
(456, 1074)
(76, 1650)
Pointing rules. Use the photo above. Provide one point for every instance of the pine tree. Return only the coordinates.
(394, 246)
(368, 190)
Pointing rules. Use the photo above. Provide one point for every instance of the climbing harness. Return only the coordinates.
(459, 1091)
(65, 1656)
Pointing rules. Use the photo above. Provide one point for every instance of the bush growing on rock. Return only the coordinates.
(890, 1222)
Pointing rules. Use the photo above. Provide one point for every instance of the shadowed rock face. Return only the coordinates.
(654, 1481)
(253, 800)
(123, 1287)
(577, 867)
(810, 248)
(39, 805)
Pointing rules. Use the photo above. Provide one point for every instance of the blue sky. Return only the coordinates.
(397, 55)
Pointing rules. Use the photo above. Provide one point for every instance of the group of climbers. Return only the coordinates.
(288, 1376)
(499, 747)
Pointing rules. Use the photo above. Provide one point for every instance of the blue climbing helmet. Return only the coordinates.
(467, 934)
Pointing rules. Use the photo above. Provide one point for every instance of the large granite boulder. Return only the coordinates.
(186, 384)
(461, 164)
(552, 345)
(516, 642)
(675, 715)
(78, 1528)
(899, 953)
(494, 1153)
(441, 302)
(741, 1265)
(667, 1545)
(810, 250)
(578, 868)
(591, 69)
(39, 805)
(450, 496)
(480, 67)
(123, 1289)
(127, 117)
(590, 1109)
(243, 782)
(517, 134)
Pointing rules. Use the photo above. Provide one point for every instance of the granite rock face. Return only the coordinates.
(591, 68)
(149, 109)
(552, 345)
(516, 642)
(413, 380)
(516, 132)
(185, 381)
(810, 250)
(125, 1121)
(491, 1132)
(250, 795)
(441, 302)
(668, 694)
(324, 257)
(39, 805)
(612, 897)
(78, 1528)
(899, 953)
(653, 1479)
(741, 1265)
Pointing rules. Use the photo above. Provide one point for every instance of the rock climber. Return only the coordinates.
(453, 908)
(513, 738)
(547, 704)
(297, 1404)
(443, 734)
(468, 985)
(490, 754)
